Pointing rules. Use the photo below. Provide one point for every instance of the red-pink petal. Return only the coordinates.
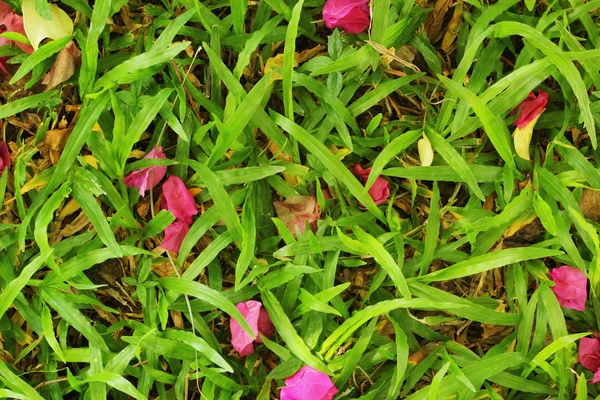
(258, 320)
(14, 23)
(147, 178)
(4, 10)
(570, 287)
(530, 108)
(379, 191)
(308, 384)
(174, 235)
(178, 200)
(4, 157)
(589, 353)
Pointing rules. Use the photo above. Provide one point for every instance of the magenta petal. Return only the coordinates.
(178, 200)
(4, 157)
(308, 384)
(258, 320)
(530, 108)
(570, 287)
(351, 15)
(174, 235)
(147, 178)
(356, 21)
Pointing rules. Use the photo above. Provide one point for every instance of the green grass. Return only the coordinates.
(441, 293)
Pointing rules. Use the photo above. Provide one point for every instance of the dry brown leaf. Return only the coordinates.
(590, 204)
(67, 61)
(433, 25)
(453, 28)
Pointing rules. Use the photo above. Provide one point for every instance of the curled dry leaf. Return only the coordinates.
(425, 151)
(38, 28)
(64, 67)
(296, 211)
(277, 62)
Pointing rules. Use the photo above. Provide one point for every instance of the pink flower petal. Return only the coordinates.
(351, 15)
(4, 157)
(308, 384)
(296, 211)
(178, 200)
(589, 353)
(147, 178)
(379, 191)
(14, 23)
(596, 378)
(4, 10)
(174, 235)
(570, 287)
(530, 108)
(260, 322)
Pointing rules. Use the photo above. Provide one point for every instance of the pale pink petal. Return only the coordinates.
(589, 353)
(147, 178)
(4, 157)
(259, 321)
(530, 108)
(296, 211)
(308, 384)
(178, 200)
(174, 235)
(570, 287)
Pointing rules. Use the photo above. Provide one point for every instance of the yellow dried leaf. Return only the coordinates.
(277, 62)
(38, 28)
(425, 151)
(520, 222)
(91, 160)
(68, 209)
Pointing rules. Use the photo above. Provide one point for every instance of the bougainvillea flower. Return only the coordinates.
(147, 178)
(308, 384)
(4, 157)
(296, 211)
(260, 322)
(529, 110)
(178, 200)
(570, 287)
(174, 235)
(379, 191)
(351, 15)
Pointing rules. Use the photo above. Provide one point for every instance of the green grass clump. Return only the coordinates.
(440, 291)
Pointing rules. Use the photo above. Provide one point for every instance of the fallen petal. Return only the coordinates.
(174, 235)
